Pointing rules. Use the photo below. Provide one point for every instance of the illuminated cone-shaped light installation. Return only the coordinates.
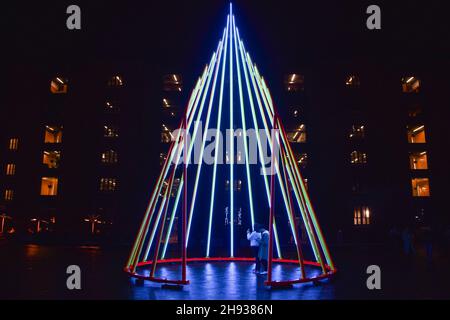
(229, 167)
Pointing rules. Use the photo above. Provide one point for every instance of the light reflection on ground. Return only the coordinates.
(230, 280)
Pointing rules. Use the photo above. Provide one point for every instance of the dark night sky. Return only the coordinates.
(187, 31)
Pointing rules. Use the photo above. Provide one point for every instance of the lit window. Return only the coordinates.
(357, 132)
(162, 158)
(58, 85)
(167, 103)
(115, 81)
(13, 144)
(49, 186)
(352, 81)
(295, 111)
(53, 134)
(416, 134)
(294, 82)
(358, 157)
(420, 187)
(302, 159)
(108, 184)
(166, 134)
(361, 215)
(110, 131)
(111, 107)
(164, 187)
(410, 84)
(418, 160)
(10, 169)
(170, 112)
(238, 185)
(9, 195)
(51, 159)
(172, 82)
(175, 186)
(297, 135)
(109, 157)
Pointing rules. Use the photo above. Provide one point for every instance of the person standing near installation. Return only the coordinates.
(254, 238)
(264, 249)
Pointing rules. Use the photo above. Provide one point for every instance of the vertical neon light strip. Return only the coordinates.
(216, 155)
(196, 126)
(172, 153)
(305, 205)
(306, 220)
(172, 218)
(299, 180)
(205, 133)
(255, 123)
(231, 155)
(298, 245)
(175, 207)
(180, 187)
(266, 126)
(305, 216)
(156, 223)
(197, 123)
(134, 256)
(310, 229)
(244, 128)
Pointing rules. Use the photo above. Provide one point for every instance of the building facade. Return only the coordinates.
(81, 147)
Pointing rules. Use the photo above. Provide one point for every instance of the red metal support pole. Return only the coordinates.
(292, 215)
(163, 221)
(185, 159)
(140, 237)
(272, 206)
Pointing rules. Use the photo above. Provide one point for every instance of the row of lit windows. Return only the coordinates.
(52, 158)
(49, 187)
(59, 85)
(417, 160)
(295, 82)
(109, 157)
(420, 187)
(415, 133)
(171, 82)
(53, 134)
(237, 186)
(108, 184)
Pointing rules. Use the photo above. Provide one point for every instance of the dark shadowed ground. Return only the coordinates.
(39, 272)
